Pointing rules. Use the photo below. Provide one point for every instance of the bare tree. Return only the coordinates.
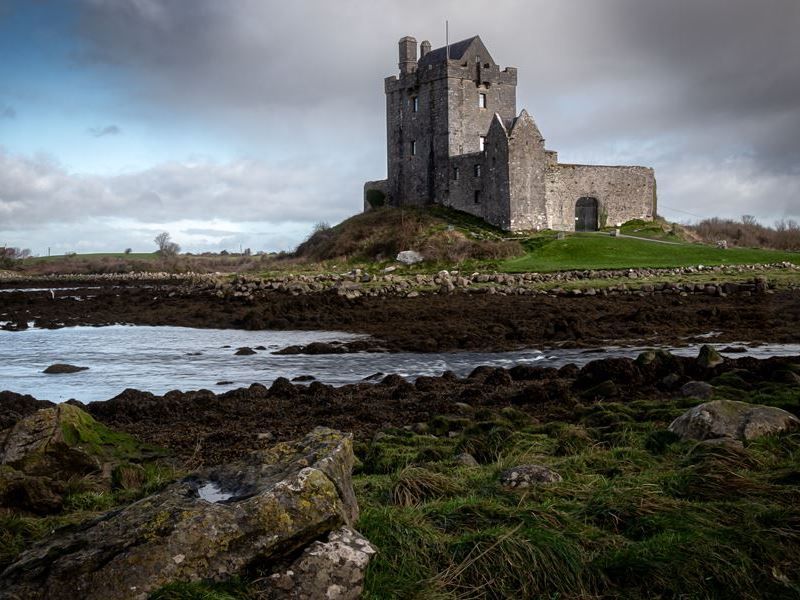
(166, 247)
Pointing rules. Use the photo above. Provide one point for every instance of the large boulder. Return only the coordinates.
(210, 526)
(734, 420)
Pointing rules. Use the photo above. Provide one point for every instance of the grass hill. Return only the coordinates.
(447, 237)
(439, 233)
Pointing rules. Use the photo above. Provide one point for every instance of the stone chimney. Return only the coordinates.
(408, 55)
(424, 48)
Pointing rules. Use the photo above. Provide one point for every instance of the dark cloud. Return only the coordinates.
(104, 131)
(706, 91)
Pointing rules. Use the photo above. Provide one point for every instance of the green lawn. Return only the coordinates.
(94, 256)
(598, 251)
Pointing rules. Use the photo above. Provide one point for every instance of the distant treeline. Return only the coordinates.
(784, 235)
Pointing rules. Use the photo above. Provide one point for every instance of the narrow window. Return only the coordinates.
(477, 170)
(481, 100)
(455, 173)
(477, 196)
(415, 104)
(414, 148)
(482, 143)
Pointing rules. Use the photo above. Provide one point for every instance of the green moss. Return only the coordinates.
(80, 429)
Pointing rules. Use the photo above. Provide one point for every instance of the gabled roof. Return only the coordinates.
(525, 121)
(457, 51)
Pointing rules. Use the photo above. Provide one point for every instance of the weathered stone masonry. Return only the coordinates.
(454, 138)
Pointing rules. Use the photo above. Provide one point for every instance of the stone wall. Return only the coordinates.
(622, 193)
(527, 165)
(381, 186)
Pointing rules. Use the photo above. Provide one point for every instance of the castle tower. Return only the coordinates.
(437, 109)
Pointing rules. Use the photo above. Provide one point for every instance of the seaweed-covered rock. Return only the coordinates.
(697, 389)
(63, 369)
(333, 569)
(708, 358)
(206, 527)
(732, 419)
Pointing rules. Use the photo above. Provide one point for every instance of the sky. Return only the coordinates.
(241, 124)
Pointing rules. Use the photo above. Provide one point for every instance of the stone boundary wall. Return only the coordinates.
(623, 193)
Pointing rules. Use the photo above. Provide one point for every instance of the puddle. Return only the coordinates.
(211, 492)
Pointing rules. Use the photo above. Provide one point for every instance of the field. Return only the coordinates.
(601, 251)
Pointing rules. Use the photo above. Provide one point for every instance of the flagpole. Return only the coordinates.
(447, 38)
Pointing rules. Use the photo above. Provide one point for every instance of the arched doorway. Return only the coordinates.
(586, 214)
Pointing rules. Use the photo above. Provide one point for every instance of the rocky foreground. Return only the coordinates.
(663, 475)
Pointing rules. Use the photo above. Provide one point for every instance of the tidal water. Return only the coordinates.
(160, 359)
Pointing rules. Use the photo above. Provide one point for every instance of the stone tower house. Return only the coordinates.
(454, 137)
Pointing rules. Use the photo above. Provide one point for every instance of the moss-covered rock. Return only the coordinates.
(63, 442)
(206, 527)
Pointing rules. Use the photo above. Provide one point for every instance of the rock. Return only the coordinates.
(34, 494)
(333, 570)
(670, 381)
(732, 419)
(697, 389)
(524, 476)
(61, 442)
(303, 378)
(466, 459)
(206, 527)
(244, 351)
(409, 257)
(62, 369)
(708, 358)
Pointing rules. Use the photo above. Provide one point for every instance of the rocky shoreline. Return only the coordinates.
(752, 309)
(216, 428)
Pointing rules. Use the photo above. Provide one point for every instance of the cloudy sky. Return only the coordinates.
(243, 123)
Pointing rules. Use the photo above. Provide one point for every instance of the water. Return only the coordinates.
(212, 492)
(160, 359)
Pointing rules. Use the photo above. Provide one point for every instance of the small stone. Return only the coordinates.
(526, 475)
(467, 460)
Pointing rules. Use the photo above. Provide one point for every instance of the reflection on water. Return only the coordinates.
(160, 359)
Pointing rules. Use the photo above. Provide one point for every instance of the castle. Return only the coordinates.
(454, 138)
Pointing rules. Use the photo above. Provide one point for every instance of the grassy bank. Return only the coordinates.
(639, 514)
